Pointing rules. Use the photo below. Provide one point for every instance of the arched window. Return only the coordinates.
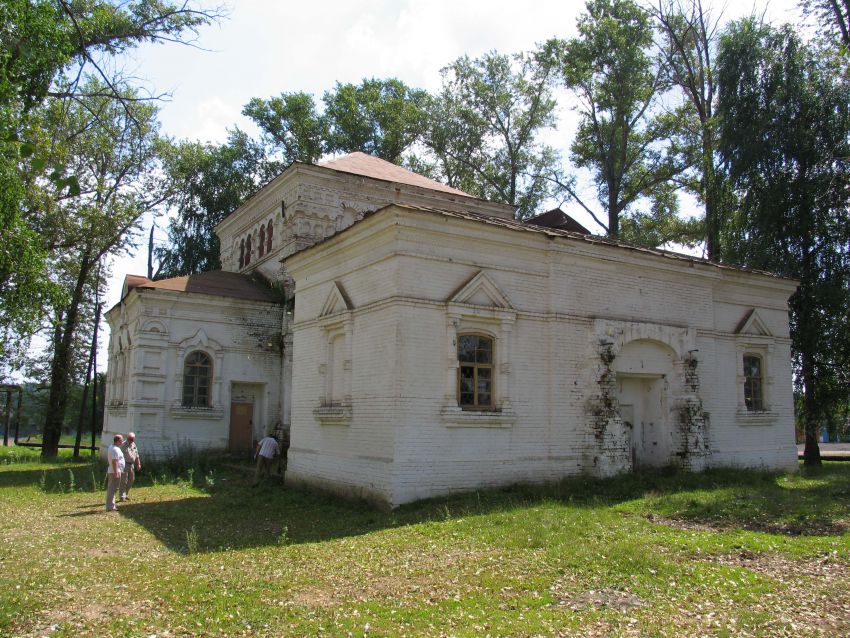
(269, 233)
(261, 245)
(248, 249)
(241, 254)
(197, 375)
(753, 376)
(475, 372)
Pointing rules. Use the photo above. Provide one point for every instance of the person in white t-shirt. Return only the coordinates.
(115, 459)
(267, 450)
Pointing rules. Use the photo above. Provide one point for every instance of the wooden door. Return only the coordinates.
(241, 427)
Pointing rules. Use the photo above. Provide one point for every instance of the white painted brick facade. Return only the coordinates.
(564, 296)
(155, 330)
(367, 379)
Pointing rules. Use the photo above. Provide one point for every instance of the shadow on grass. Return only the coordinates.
(230, 514)
(79, 475)
(236, 516)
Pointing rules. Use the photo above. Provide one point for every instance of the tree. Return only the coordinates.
(785, 141)
(484, 129)
(112, 148)
(833, 16)
(629, 147)
(209, 183)
(379, 117)
(290, 125)
(383, 118)
(689, 35)
(45, 47)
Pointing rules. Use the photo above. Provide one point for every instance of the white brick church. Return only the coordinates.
(435, 344)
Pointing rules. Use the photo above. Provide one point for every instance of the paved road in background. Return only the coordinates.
(831, 450)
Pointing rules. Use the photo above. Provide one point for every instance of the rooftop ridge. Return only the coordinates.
(359, 163)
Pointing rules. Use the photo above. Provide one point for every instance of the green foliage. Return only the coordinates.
(209, 182)
(379, 117)
(833, 20)
(36, 41)
(785, 139)
(663, 225)
(688, 42)
(383, 118)
(484, 129)
(45, 46)
(290, 126)
(24, 288)
(629, 147)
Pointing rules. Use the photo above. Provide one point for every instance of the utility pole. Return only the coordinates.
(18, 412)
(8, 390)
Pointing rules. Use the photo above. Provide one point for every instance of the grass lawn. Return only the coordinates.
(202, 553)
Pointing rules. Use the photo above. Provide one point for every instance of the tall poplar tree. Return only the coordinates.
(785, 140)
(209, 182)
(484, 129)
(46, 48)
(689, 38)
(622, 138)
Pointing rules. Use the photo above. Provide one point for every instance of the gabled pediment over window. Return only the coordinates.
(481, 291)
(200, 340)
(337, 301)
(752, 324)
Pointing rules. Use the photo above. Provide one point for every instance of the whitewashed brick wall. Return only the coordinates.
(235, 333)
(399, 269)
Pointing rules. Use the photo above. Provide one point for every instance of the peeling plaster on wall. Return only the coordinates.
(611, 443)
(693, 422)
(612, 453)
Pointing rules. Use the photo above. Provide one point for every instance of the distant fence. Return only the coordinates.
(66, 446)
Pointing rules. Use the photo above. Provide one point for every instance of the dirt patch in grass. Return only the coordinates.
(81, 610)
(316, 597)
(623, 601)
(826, 569)
(808, 528)
(814, 594)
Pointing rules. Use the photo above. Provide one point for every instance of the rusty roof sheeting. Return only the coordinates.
(363, 164)
(556, 218)
(219, 283)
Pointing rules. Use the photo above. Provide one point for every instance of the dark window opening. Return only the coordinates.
(753, 395)
(475, 372)
(269, 233)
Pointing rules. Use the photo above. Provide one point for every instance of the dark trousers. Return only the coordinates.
(264, 467)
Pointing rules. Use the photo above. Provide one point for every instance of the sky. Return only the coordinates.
(265, 47)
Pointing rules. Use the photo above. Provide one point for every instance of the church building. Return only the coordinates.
(411, 340)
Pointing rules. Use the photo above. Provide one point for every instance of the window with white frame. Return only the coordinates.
(197, 379)
(753, 382)
(475, 378)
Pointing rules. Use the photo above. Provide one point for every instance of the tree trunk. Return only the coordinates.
(712, 222)
(60, 368)
(18, 413)
(8, 418)
(150, 252)
(79, 440)
(613, 215)
(811, 451)
(94, 427)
